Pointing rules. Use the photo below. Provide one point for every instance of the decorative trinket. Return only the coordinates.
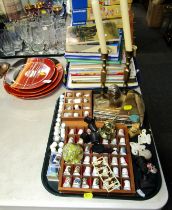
(67, 182)
(69, 94)
(105, 141)
(80, 141)
(113, 141)
(127, 185)
(115, 151)
(114, 161)
(72, 153)
(76, 114)
(77, 100)
(71, 140)
(121, 132)
(86, 100)
(59, 152)
(86, 113)
(85, 183)
(86, 160)
(68, 108)
(122, 141)
(87, 171)
(61, 144)
(77, 107)
(144, 138)
(123, 151)
(80, 131)
(95, 183)
(123, 161)
(56, 138)
(67, 171)
(110, 182)
(69, 101)
(116, 171)
(152, 168)
(134, 130)
(78, 94)
(86, 107)
(86, 95)
(125, 173)
(94, 173)
(77, 182)
(94, 159)
(87, 149)
(72, 131)
(63, 125)
(67, 114)
(146, 154)
(77, 171)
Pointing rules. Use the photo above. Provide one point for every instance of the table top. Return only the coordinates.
(24, 128)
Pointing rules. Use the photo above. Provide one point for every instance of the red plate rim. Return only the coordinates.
(36, 95)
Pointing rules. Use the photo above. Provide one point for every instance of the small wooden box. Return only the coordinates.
(77, 105)
(91, 177)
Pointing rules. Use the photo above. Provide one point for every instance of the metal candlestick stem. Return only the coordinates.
(104, 58)
(129, 56)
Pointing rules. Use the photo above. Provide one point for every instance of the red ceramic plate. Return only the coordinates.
(40, 94)
(32, 74)
(43, 87)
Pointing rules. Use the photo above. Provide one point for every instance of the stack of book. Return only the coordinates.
(110, 9)
(84, 57)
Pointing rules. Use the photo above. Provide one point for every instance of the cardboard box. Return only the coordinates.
(154, 14)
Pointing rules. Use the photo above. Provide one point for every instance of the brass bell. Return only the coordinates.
(3, 68)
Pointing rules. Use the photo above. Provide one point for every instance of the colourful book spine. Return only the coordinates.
(78, 4)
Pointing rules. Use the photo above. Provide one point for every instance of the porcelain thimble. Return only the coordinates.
(122, 141)
(80, 141)
(71, 140)
(77, 171)
(116, 171)
(94, 160)
(85, 183)
(78, 94)
(76, 114)
(94, 173)
(87, 149)
(76, 182)
(105, 141)
(87, 171)
(67, 170)
(80, 131)
(67, 182)
(86, 160)
(86, 113)
(121, 132)
(123, 151)
(95, 183)
(72, 131)
(113, 141)
(125, 173)
(123, 161)
(127, 185)
(115, 151)
(114, 161)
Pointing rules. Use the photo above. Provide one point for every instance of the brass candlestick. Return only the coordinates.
(104, 58)
(127, 71)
